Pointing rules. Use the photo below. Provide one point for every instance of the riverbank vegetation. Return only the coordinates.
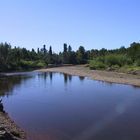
(122, 59)
(12, 59)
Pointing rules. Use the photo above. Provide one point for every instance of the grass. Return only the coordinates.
(129, 68)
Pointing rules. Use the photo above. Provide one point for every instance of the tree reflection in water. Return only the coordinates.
(8, 83)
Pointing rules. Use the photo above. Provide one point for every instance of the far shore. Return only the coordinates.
(106, 76)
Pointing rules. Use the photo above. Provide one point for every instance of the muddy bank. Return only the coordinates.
(8, 129)
(106, 76)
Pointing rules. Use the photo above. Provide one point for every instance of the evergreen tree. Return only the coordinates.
(50, 51)
(38, 50)
(65, 54)
(44, 49)
(69, 48)
(50, 56)
(65, 48)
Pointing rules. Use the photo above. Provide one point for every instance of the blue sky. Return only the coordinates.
(94, 24)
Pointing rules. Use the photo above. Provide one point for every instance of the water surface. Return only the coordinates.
(54, 106)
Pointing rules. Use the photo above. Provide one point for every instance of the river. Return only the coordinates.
(55, 106)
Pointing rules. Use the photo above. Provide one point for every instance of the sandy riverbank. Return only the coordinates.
(106, 76)
(8, 129)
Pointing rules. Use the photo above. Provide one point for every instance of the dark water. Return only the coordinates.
(53, 106)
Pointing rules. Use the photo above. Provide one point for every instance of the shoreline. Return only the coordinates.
(105, 76)
(8, 128)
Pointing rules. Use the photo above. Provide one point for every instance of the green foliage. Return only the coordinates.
(129, 68)
(100, 59)
(65, 54)
(68, 56)
(134, 51)
(81, 55)
(20, 58)
(112, 61)
(138, 62)
(119, 60)
(93, 64)
(31, 64)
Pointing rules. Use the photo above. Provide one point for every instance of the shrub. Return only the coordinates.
(112, 60)
(31, 64)
(101, 59)
(40, 64)
(138, 62)
(93, 64)
(119, 60)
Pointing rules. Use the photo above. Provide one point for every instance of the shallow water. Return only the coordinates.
(54, 106)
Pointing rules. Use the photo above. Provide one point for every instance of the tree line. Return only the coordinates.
(16, 58)
(22, 59)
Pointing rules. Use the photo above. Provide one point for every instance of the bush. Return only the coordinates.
(119, 60)
(40, 64)
(93, 64)
(101, 59)
(112, 60)
(138, 62)
(31, 64)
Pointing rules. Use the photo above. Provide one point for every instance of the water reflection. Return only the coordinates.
(81, 78)
(67, 78)
(45, 76)
(7, 83)
(70, 78)
(136, 87)
(51, 75)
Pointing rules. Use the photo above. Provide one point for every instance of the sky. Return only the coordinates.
(94, 24)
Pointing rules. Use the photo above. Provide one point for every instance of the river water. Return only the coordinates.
(54, 106)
